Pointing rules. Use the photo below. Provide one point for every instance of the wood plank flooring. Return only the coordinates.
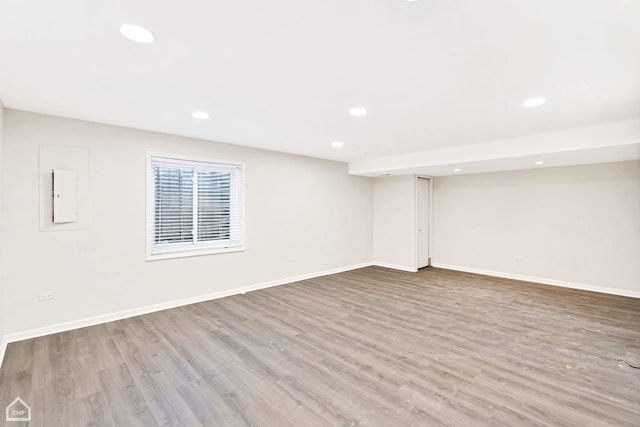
(370, 347)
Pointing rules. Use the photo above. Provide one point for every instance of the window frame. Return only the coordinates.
(168, 252)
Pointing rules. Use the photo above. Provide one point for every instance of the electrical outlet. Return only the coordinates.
(519, 258)
(44, 296)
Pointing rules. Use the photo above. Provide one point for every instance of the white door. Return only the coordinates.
(423, 221)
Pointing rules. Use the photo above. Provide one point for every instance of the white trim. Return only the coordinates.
(395, 266)
(3, 348)
(174, 253)
(188, 158)
(415, 222)
(430, 218)
(110, 317)
(542, 280)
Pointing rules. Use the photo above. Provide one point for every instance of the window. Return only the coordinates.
(194, 206)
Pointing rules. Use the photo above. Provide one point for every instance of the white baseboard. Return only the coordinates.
(394, 266)
(545, 281)
(110, 317)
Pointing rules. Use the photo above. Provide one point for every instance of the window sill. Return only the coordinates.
(195, 252)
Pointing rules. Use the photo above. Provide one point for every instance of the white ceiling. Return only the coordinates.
(282, 74)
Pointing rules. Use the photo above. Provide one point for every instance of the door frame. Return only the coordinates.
(430, 222)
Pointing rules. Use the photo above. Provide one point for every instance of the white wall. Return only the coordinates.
(571, 225)
(576, 226)
(2, 293)
(394, 222)
(297, 206)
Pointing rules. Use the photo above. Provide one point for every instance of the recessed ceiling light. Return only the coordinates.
(202, 115)
(539, 162)
(337, 144)
(136, 33)
(358, 111)
(534, 102)
(457, 170)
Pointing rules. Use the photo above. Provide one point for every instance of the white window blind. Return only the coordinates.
(195, 206)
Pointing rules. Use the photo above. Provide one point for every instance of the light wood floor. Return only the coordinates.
(371, 347)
